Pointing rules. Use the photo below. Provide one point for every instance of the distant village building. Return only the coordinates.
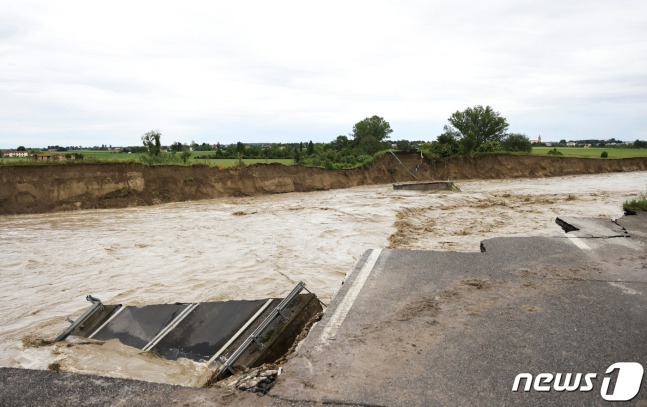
(15, 153)
(42, 157)
(52, 157)
(538, 141)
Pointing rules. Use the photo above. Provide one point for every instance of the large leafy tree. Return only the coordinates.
(152, 143)
(370, 134)
(446, 145)
(475, 126)
(640, 144)
(516, 142)
(340, 143)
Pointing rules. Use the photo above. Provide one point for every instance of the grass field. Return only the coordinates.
(108, 156)
(225, 162)
(593, 152)
(232, 162)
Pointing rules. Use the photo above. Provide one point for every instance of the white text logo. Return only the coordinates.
(627, 384)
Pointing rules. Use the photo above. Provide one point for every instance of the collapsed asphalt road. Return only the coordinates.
(442, 328)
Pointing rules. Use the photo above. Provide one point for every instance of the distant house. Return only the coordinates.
(42, 157)
(52, 157)
(571, 144)
(14, 153)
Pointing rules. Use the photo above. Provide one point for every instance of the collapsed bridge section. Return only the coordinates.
(224, 335)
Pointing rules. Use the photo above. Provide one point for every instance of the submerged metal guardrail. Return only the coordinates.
(96, 305)
(228, 365)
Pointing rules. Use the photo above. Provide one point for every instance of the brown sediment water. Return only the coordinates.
(248, 248)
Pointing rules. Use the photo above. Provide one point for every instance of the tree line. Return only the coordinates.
(475, 130)
(367, 138)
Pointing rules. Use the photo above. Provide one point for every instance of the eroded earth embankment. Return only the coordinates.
(50, 188)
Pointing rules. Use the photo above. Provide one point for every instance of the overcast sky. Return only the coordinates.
(90, 73)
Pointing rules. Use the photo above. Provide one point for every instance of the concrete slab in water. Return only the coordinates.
(427, 186)
(137, 326)
(206, 329)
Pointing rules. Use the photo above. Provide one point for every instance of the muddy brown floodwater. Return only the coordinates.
(247, 248)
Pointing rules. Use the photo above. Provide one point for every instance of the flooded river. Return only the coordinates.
(248, 248)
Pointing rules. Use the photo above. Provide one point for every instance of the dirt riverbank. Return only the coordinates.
(52, 188)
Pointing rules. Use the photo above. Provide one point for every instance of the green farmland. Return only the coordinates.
(592, 152)
(101, 156)
(232, 162)
(97, 156)
(107, 156)
(104, 156)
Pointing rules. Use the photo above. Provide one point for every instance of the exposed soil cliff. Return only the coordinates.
(50, 188)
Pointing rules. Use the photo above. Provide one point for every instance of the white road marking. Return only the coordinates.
(579, 243)
(334, 323)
